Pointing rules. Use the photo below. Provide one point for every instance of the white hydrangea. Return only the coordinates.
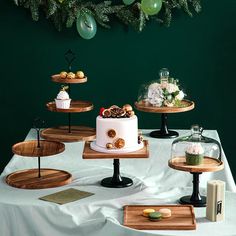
(172, 88)
(155, 94)
(180, 95)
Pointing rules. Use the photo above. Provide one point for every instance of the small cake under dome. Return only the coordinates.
(117, 130)
(195, 148)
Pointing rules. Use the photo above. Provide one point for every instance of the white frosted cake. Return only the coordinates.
(117, 131)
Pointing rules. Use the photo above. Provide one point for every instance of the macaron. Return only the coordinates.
(165, 212)
(147, 211)
(155, 216)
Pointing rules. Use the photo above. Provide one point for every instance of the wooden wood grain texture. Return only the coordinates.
(30, 148)
(147, 107)
(209, 165)
(58, 79)
(75, 106)
(182, 218)
(28, 179)
(89, 153)
(61, 134)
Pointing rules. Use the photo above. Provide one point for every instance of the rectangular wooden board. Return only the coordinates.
(88, 153)
(182, 218)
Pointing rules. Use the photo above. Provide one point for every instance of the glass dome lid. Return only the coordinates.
(195, 148)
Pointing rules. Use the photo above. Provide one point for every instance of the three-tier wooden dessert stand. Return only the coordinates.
(164, 132)
(209, 165)
(39, 178)
(69, 133)
(116, 181)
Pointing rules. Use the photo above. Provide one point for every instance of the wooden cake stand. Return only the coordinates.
(69, 133)
(164, 132)
(38, 178)
(209, 165)
(116, 181)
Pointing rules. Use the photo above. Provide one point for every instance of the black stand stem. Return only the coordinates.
(38, 146)
(164, 132)
(196, 199)
(116, 181)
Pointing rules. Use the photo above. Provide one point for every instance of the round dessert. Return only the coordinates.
(70, 75)
(80, 74)
(117, 131)
(147, 211)
(155, 216)
(194, 154)
(165, 212)
(63, 100)
(63, 74)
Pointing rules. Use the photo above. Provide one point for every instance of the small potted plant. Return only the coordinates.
(194, 154)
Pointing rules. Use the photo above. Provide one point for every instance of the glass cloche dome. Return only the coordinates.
(196, 148)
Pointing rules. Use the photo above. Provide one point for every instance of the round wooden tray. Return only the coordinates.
(75, 106)
(147, 107)
(209, 165)
(58, 79)
(61, 134)
(28, 179)
(30, 148)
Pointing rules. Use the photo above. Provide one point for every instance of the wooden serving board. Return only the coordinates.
(75, 106)
(182, 218)
(147, 107)
(58, 79)
(30, 148)
(89, 153)
(61, 134)
(28, 179)
(209, 165)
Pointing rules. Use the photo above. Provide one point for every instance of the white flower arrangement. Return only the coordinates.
(165, 93)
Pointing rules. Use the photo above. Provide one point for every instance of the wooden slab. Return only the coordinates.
(30, 148)
(182, 218)
(61, 134)
(89, 153)
(75, 106)
(28, 179)
(58, 79)
(147, 107)
(209, 165)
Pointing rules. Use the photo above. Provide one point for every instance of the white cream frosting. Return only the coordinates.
(63, 95)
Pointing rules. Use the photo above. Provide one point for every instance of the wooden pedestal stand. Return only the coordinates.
(69, 133)
(164, 132)
(38, 178)
(209, 165)
(116, 181)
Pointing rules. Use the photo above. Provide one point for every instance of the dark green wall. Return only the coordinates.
(200, 51)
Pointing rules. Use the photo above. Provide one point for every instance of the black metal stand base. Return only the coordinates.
(164, 132)
(160, 134)
(195, 199)
(187, 200)
(116, 181)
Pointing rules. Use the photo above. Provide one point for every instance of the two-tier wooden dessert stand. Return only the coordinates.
(39, 178)
(69, 133)
(209, 165)
(116, 181)
(164, 132)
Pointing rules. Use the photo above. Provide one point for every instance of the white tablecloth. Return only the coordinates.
(23, 214)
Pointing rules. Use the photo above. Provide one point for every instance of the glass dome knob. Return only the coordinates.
(164, 74)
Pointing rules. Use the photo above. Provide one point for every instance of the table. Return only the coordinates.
(23, 214)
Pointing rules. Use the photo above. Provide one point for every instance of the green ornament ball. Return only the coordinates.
(151, 7)
(128, 2)
(86, 26)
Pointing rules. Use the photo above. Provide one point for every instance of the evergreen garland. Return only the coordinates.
(63, 13)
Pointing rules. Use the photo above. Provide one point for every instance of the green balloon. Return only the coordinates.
(86, 26)
(128, 2)
(151, 7)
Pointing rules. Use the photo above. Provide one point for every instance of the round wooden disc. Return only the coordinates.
(147, 107)
(61, 134)
(209, 165)
(58, 79)
(75, 106)
(28, 179)
(30, 148)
